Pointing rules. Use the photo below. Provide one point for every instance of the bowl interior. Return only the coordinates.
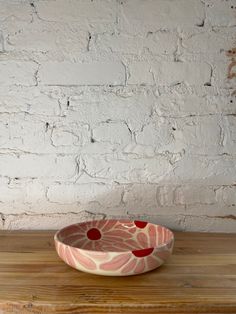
(114, 235)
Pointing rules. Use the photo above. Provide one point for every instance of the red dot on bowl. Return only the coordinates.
(94, 234)
(143, 253)
(140, 224)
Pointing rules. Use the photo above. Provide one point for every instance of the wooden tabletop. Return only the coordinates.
(200, 277)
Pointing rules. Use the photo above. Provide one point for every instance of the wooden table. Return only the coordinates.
(200, 277)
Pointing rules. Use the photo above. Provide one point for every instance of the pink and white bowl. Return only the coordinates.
(114, 247)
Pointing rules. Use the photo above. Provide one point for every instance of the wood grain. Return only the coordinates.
(200, 277)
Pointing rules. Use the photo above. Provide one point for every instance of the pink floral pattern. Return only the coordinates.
(114, 247)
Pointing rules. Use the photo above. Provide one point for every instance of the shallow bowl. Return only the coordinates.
(114, 247)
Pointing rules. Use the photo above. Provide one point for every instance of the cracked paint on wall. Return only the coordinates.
(117, 109)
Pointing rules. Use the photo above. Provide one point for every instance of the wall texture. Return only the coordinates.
(116, 108)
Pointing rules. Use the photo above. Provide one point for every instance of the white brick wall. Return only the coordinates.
(114, 108)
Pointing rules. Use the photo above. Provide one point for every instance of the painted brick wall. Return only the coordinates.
(118, 108)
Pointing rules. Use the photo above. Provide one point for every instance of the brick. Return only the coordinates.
(165, 195)
(208, 224)
(15, 10)
(220, 75)
(151, 15)
(213, 170)
(38, 102)
(47, 221)
(227, 195)
(161, 42)
(114, 133)
(95, 106)
(18, 191)
(229, 134)
(95, 73)
(9, 193)
(71, 137)
(37, 206)
(157, 135)
(220, 13)
(20, 135)
(213, 210)
(192, 194)
(169, 216)
(141, 170)
(193, 73)
(215, 42)
(171, 220)
(98, 148)
(140, 73)
(34, 192)
(140, 198)
(64, 138)
(29, 99)
(157, 43)
(189, 134)
(193, 135)
(54, 39)
(169, 73)
(106, 195)
(175, 104)
(17, 73)
(44, 166)
(133, 149)
(121, 43)
(81, 11)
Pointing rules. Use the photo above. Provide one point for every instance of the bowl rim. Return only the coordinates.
(56, 239)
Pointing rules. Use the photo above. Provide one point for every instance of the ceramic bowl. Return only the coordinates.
(114, 247)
